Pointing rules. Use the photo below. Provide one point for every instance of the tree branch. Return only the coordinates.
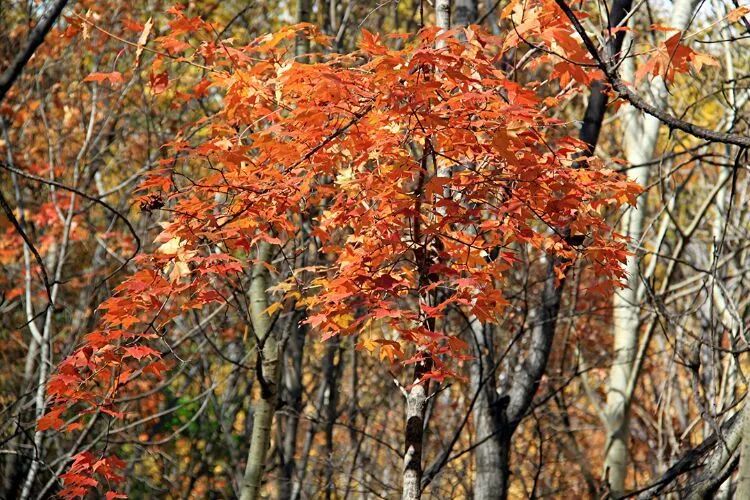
(639, 103)
(11, 74)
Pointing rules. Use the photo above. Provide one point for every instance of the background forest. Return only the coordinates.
(374, 249)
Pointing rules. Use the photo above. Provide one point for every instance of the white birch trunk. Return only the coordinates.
(416, 403)
(641, 134)
(269, 371)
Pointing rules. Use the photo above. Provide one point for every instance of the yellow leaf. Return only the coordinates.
(367, 344)
(343, 320)
(699, 60)
(142, 41)
(737, 13)
(179, 269)
(273, 308)
(171, 247)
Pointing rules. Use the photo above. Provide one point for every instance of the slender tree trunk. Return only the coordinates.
(709, 463)
(743, 474)
(491, 456)
(293, 389)
(504, 414)
(443, 14)
(320, 400)
(35, 39)
(302, 44)
(596, 107)
(416, 395)
(416, 404)
(267, 373)
(331, 412)
(721, 221)
(626, 324)
(498, 417)
(464, 12)
(641, 134)
(294, 350)
(45, 351)
(13, 468)
(354, 421)
(720, 463)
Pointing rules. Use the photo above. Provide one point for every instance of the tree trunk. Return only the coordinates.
(641, 134)
(320, 405)
(330, 412)
(491, 456)
(416, 404)
(416, 395)
(625, 331)
(443, 14)
(293, 392)
(302, 43)
(743, 474)
(294, 350)
(464, 12)
(45, 349)
(267, 373)
(506, 413)
(709, 463)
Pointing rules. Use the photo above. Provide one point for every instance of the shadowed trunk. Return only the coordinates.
(292, 379)
(416, 404)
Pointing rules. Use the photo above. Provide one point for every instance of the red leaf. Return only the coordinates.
(159, 82)
(114, 78)
(132, 25)
(316, 320)
(51, 420)
(172, 45)
(140, 351)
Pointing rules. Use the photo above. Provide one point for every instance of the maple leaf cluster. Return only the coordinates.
(672, 57)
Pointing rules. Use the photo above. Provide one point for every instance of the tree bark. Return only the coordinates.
(743, 474)
(331, 412)
(491, 456)
(443, 14)
(464, 12)
(320, 405)
(294, 350)
(45, 342)
(267, 372)
(36, 37)
(302, 43)
(292, 378)
(416, 404)
(707, 463)
(508, 412)
(597, 105)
